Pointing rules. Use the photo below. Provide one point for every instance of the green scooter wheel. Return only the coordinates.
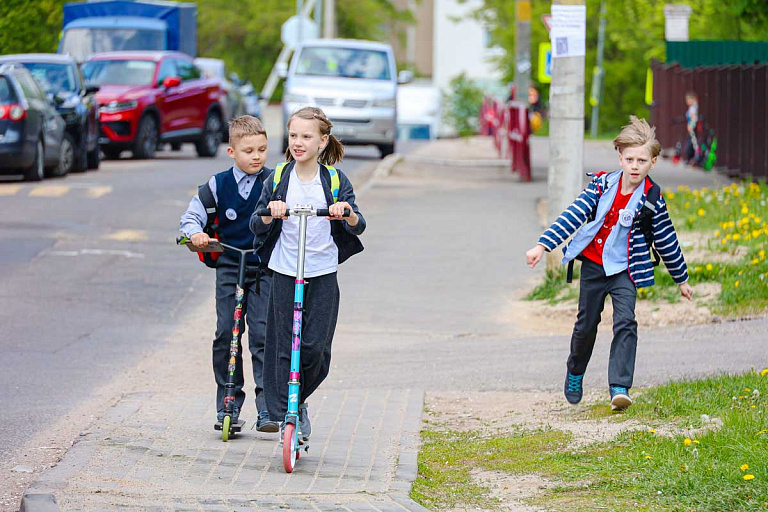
(225, 425)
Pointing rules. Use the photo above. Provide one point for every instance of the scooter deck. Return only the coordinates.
(235, 427)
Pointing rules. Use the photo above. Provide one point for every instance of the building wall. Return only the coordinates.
(416, 46)
(460, 44)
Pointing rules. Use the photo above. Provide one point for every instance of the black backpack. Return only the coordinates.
(643, 221)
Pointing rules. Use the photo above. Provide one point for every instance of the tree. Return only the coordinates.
(634, 36)
(30, 26)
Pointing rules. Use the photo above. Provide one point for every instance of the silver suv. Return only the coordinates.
(354, 82)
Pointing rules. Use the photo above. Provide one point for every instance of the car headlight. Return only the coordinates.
(119, 106)
(295, 98)
(384, 103)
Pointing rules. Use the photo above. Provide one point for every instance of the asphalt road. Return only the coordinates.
(91, 279)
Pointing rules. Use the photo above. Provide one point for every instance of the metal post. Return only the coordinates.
(597, 84)
(522, 49)
(566, 131)
(329, 19)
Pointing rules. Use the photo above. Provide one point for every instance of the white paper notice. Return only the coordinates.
(569, 30)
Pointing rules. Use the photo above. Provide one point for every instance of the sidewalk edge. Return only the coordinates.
(407, 463)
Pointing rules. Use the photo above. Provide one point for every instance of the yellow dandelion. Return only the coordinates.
(687, 205)
(761, 254)
(752, 406)
(744, 210)
(709, 266)
(736, 236)
(701, 212)
(696, 441)
(647, 456)
(651, 431)
(764, 372)
(723, 240)
(736, 284)
(744, 467)
(756, 261)
(741, 272)
(749, 477)
(687, 442)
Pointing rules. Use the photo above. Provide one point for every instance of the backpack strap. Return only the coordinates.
(278, 174)
(645, 218)
(209, 203)
(335, 182)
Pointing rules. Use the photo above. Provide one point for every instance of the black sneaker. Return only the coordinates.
(264, 424)
(305, 428)
(573, 388)
(620, 398)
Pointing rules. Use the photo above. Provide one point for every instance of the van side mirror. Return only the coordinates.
(171, 81)
(405, 77)
(282, 69)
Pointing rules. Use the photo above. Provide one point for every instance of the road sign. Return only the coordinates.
(547, 20)
(297, 29)
(545, 63)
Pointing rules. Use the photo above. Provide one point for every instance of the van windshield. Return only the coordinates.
(344, 62)
(82, 42)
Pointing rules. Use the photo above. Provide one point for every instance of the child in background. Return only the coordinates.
(306, 180)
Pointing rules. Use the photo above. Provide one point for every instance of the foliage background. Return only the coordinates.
(634, 36)
(245, 34)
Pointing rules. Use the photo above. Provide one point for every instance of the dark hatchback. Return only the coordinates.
(75, 100)
(31, 130)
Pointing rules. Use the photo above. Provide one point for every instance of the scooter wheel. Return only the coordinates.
(225, 426)
(290, 454)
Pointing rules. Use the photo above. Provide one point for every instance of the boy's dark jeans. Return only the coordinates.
(255, 316)
(595, 286)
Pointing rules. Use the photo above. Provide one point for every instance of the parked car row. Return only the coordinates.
(57, 117)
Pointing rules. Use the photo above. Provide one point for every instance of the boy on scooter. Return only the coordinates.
(620, 220)
(234, 194)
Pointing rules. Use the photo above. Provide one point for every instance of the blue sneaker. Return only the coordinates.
(264, 424)
(573, 387)
(620, 398)
(235, 415)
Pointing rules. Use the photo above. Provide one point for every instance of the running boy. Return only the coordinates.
(306, 180)
(235, 192)
(616, 257)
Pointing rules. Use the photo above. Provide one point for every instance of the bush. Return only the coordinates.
(463, 105)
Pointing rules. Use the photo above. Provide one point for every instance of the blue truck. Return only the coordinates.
(119, 25)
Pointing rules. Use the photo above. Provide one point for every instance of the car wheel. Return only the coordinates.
(93, 158)
(67, 158)
(145, 144)
(36, 172)
(208, 145)
(111, 153)
(386, 149)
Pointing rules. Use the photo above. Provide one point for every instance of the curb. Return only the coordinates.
(407, 464)
(383, 169)
(38, 502)
(495, 162)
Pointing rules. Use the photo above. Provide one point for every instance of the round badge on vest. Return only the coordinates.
(625, 217)
(231, 214)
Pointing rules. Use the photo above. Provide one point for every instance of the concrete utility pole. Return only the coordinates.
(566, 109)
(522, 49)
(329, 19)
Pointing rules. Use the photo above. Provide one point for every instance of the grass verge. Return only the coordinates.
(706, 450)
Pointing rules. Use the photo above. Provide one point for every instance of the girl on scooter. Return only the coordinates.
(307, 178)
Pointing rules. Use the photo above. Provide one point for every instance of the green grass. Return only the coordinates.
(554, 289)
(641, 469)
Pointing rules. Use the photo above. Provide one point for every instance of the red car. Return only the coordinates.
(148, 98)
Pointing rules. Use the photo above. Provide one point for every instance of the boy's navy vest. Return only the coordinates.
(234, 212)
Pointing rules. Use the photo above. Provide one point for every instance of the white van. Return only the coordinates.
(354, 82)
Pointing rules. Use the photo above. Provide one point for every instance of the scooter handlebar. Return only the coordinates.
(320, 212)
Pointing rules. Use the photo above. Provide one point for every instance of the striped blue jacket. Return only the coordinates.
(583, 210)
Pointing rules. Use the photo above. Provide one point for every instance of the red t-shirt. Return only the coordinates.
(594, 251)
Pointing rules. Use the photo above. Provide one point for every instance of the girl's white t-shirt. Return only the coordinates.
(322, 255)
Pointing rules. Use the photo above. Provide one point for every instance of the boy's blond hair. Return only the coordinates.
(637, 133)
(244, 126)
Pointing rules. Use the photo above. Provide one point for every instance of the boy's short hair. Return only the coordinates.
(244, 126)
(691, 94)
(637, 133)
